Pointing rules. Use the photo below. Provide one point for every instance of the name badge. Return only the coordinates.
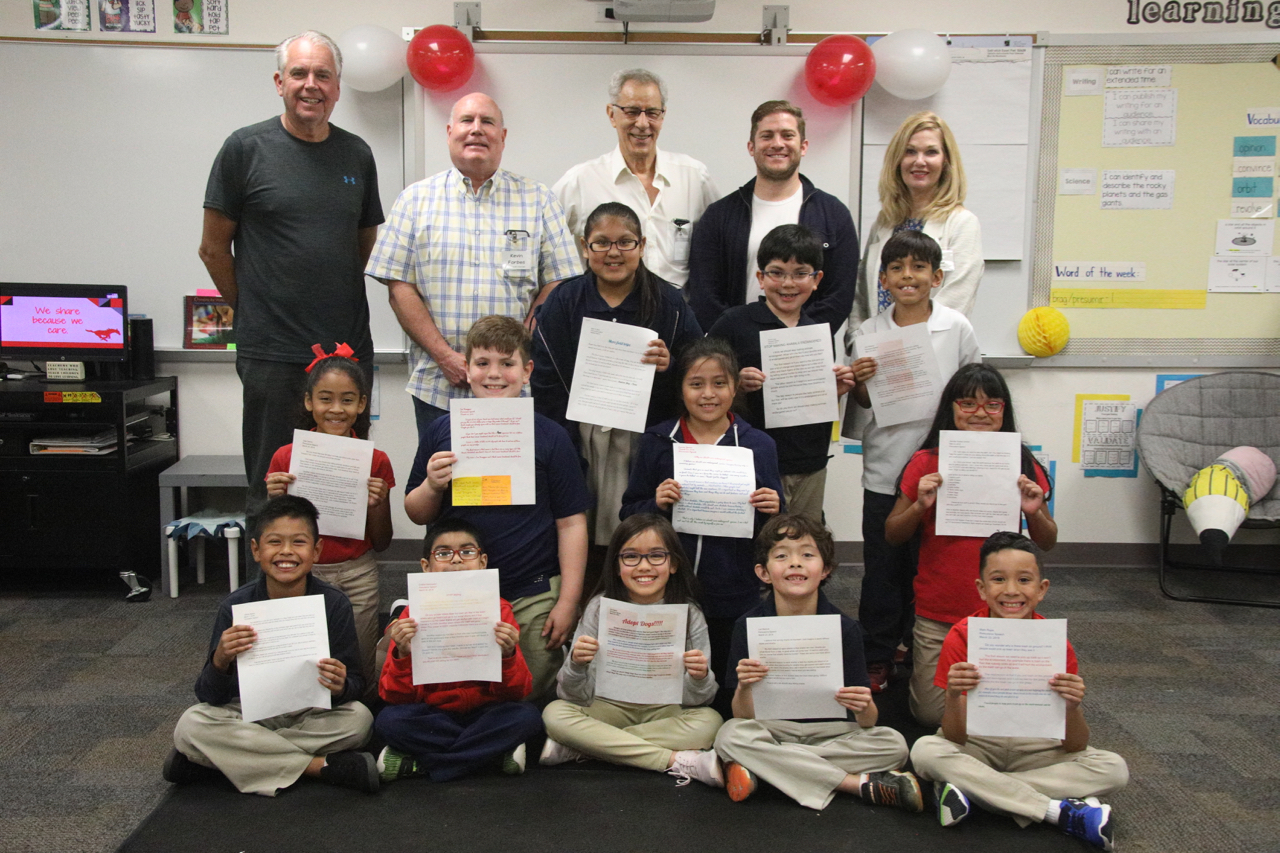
(683, 236)
(948, 260)
(517, 253)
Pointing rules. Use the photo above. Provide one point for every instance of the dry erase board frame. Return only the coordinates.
(1204, 351)
(108, 149)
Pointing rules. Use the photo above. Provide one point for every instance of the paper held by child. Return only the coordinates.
(805, 657)
(456, 613)
(332, 472)
(1016, 658)
(715, 490)
(611, 385)
(642, 652)
(278, 674)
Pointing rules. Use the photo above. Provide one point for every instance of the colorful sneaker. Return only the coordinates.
(393, 765)
(895, 788)
(953, 805)
(513, 762)
(1088, 820)
(351, 769)
(738, 781)
(879, 673)
(554, 752)
(700, 764)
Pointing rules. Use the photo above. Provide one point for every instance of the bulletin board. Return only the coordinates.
(1101, 249)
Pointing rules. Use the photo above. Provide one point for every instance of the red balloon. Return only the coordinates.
(839, 70)
(440, 58)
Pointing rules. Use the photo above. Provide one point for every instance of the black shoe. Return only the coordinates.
(351, 769)
(181, 770)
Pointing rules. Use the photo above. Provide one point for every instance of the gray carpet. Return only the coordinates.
(90, 688)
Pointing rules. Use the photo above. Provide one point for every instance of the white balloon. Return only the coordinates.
(373, 57)
(912, 64)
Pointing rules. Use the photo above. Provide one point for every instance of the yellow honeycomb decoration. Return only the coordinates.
(1043, 332)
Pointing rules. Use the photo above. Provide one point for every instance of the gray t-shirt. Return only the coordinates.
(299, 207)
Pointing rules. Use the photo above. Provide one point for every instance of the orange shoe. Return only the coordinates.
(738, 781)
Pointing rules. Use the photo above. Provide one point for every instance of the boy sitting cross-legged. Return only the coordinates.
(809, 760)
(1030, 779)
(448, 730)
(264, 756)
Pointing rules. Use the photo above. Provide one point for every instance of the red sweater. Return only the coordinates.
(458, 697)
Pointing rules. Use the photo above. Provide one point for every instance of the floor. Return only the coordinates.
(1188, 693)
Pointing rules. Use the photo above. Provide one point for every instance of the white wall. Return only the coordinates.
(1088, 510)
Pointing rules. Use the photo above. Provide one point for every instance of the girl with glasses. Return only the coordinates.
(618, 288)
(976, 399)
(646, 564)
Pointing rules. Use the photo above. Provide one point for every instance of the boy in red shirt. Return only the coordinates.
(1030, 779)
(448, 730)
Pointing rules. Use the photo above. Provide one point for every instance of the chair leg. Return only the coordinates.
(173, 562)
(232, 535)
(199, 540)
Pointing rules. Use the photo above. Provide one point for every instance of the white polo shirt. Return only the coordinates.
(887, 449)
(684, 192)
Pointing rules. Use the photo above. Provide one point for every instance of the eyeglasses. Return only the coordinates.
(779, 276)
(633, 113)
(626, 244)
(445, 555)
(631, 559)
(991, 407)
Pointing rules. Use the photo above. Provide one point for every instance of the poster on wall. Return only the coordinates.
(201, 17)
(127, 16)
(61, 14)
(1106, 432)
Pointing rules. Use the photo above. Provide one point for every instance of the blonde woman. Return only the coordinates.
(922, 188)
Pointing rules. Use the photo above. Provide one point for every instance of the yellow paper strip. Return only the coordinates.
(1101, 297)
(482, 491)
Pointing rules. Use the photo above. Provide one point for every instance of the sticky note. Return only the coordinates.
(482, 491)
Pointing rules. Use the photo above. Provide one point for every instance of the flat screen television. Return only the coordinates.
(64, 322)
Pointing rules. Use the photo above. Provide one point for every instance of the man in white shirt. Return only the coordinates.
(667, 191)
(722, 262)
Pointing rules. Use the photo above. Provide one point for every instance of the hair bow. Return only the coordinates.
(340, 351)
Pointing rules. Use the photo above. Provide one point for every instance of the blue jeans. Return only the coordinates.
(886, 609)
(452, 745)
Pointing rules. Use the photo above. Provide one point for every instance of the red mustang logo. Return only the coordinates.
(105, 334)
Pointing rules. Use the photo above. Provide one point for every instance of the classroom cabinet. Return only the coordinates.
(83, 515)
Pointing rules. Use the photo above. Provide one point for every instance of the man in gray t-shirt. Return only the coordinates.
(291, 214)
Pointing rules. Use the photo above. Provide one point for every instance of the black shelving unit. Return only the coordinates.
(78, 514)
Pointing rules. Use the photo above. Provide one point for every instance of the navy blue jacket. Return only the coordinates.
(718, 255)
(555, 344)
(801, 449)
(725, 566)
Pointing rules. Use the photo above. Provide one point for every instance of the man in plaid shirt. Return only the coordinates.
(470, 241)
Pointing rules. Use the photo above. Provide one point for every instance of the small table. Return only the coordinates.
(216, 472)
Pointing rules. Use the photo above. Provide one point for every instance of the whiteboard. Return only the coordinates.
(107, 150)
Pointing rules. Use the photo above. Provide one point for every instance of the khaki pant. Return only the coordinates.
(927, 701)
(358, 578)
(531, 615)
(806, 761)
(624, 733)
(1018, 776)
(608, 453)
(263, 757)
(805, 494)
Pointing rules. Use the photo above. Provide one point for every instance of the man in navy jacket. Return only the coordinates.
(722, 257)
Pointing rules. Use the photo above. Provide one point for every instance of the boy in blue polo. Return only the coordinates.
(539, 550)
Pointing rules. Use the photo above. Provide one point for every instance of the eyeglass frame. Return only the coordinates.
(647, 111)
(779, 276)
(663, 556)
(591, 246)
(436, 552)
(999, 404)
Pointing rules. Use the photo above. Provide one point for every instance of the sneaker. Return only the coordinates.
(1088, 820)
(738, 781)
(513, 762)
(700, 764)
(181, 770)
(393, 765)
(895, 788)
(554, 752)
(879, 673)
(953, 805)
(901, 656)
(351, 769)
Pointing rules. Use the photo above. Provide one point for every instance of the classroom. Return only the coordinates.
(78, 224)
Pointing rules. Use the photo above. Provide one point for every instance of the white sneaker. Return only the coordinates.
(554, 752)
(702, 765)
